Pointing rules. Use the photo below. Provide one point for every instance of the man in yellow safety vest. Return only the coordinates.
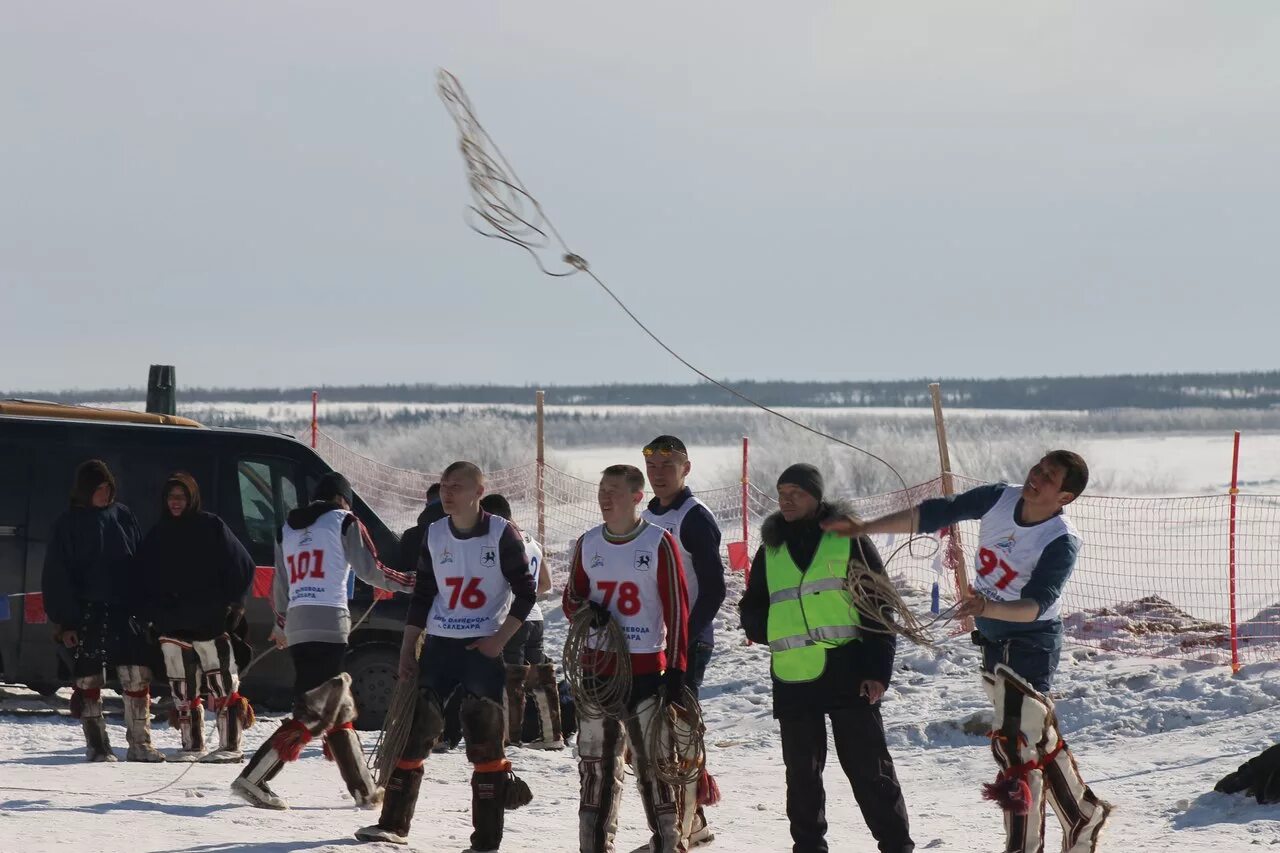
(827, 660)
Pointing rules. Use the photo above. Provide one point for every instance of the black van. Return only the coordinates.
(251, 479)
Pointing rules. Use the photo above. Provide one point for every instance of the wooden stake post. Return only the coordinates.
(948, 489)
(542, 491)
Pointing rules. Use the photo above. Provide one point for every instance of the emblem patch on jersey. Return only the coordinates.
(1006, 544)
(489, 557)
(597, 561)
(643, 561)
(306, 537)
(446, 557)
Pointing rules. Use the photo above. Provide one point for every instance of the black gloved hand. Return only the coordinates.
(673, 687)
(600, 614)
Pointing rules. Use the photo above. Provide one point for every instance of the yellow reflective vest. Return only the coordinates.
(810, 611)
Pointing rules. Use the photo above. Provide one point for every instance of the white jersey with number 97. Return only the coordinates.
(1008, 552)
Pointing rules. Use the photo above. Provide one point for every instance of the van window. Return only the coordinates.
(268, 490)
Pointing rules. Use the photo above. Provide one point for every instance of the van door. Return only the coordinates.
(15, 474)
(255, 494)
(265, 488)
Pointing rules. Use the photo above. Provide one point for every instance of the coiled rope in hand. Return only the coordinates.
(874, 595)
(396, 725)
(674, 741)
(597, 665)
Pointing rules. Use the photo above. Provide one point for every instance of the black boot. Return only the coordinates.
(398, 804)
(488, 810)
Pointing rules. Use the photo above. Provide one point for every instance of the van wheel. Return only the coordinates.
(373, 671)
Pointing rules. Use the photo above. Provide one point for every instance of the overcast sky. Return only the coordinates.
(271, 193)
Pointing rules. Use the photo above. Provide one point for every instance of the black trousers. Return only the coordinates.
(525, 645)
(864, 757)
(314, 664)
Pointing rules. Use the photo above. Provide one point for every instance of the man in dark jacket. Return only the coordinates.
(828, 660)
(89, 587)
(410, 550)
(196, 574)
(411, 539)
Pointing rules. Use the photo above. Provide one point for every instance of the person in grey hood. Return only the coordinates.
(89, 592)
(316, 551)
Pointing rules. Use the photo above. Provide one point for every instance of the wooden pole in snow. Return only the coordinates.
(541, 473)
(955, 550)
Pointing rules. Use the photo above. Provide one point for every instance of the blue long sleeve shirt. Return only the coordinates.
(1056, 563)
(699, 534)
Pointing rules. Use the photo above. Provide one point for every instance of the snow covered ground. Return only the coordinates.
(1151, 736)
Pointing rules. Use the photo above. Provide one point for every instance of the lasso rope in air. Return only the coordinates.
(503, 208)
(597, 665)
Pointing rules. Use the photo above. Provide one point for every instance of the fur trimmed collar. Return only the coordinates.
(775, 528)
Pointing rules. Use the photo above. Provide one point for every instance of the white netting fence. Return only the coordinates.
(1153, 577)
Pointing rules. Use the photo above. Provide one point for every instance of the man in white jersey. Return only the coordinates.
(1026, 552)
(628, 570)
(473, 593)
(529, 671)
(318, 548)
(697, 535)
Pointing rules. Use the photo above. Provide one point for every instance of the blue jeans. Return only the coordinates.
(1033, 656)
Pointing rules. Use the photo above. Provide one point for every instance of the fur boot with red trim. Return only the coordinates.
(1036, 766)
(188, 719)
(86, 706)
(342, 747)
(235, 714)
(318, 710)
(135, 682)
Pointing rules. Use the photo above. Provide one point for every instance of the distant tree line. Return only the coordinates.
(1245, 390)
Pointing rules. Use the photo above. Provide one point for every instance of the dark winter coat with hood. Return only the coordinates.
(193, 569)
(411, 539)
(849, 665)
(90, 554)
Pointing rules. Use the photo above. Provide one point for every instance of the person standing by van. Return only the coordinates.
(195, 575)
(89, 584)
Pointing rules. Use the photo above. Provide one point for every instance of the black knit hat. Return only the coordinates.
(805, 476)
(334, 485)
